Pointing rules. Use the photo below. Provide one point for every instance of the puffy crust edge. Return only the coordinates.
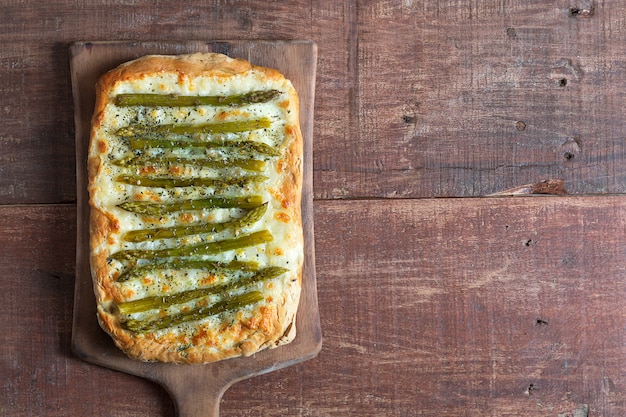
(101, 223)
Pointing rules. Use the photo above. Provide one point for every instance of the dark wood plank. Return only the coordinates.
(36, 123)
(472, 98)
(458, 99)
(491, 307)
(38, 372)
(413, 99)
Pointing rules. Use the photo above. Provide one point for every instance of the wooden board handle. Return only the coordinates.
(204, 405)
(195, 397)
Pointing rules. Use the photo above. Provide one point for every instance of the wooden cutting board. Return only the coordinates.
(195, 389)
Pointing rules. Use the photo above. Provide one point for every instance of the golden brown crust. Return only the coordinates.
(272, 324)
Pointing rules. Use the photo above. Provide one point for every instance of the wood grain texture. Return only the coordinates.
(490, 307)
(471, 98)
(39, 374)
(414, 99)
(487, 307)
(448, 307)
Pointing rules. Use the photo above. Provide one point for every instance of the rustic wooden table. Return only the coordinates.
(440, 293)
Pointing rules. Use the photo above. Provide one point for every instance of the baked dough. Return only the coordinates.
(195, 183)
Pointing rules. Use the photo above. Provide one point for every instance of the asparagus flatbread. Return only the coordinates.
(195, 184)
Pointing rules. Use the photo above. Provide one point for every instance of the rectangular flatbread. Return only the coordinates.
(195, 182)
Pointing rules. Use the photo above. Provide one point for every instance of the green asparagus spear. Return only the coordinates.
(227, 304)
(162, 301)
(186, 129)
(185, 230)
(186, 263)
(171, 100)
(146, 207)
(189, 182)
(202, 162)
(208, 248)
(239, 146)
